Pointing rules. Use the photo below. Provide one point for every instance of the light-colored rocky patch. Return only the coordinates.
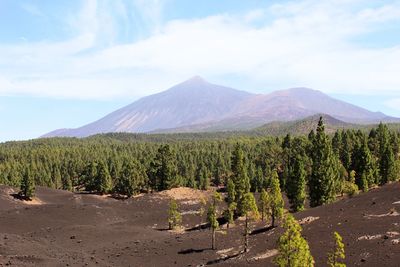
(387, 235)
(308, 220)
(396, 241)
(224, 252)
(190, 212)
(265, 255)
(369, 237)
(392, 213)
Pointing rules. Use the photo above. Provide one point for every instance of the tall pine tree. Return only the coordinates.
(325, 171)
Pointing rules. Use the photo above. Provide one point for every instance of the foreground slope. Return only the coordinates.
(80, 229)
(197, 105)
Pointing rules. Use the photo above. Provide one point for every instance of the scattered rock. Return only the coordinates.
(308, 220)
(265, 255)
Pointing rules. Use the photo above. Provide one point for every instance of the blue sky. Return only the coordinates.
(67, 63)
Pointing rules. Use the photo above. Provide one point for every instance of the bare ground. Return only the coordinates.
(66, 229)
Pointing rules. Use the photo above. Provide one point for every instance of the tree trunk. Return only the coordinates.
(246, 235)
(262, 215)
(213, 239)
(273, 220)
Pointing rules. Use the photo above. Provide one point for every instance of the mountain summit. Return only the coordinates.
(196, 104)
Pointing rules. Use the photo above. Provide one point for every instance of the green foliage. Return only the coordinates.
(386, 156)
(264, 203)
(231, 191)
(174, 216)
(229, 213)
(131, 180)
(27, 188)
(163, 169)
(293, 248)
(231, 159)
(325, 171)
(276, 201)
(338, 254)
(363, 166)
(103, 182)
(240, 177)
(296, 185)
(212, 217)
(67, 182)
(250, 210)
(350, 188)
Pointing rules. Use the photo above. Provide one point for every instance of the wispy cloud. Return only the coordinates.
(293, 44)
(31, 9)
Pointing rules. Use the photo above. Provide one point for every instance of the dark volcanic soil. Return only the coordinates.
(76, 230)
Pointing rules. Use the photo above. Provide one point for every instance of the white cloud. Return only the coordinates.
(303, 43)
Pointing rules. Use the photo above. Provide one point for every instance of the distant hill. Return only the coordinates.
(304, 126)
(199, 106)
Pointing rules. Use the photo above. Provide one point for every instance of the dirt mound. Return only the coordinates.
(184, 193)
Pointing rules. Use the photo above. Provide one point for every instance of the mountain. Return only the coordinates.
(194, 101)
(199, 106)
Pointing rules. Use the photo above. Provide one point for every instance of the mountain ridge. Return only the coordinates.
(198, 105)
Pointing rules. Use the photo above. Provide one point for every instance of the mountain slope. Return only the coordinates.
(199, 106)
(191, 102)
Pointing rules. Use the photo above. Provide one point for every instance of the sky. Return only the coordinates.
(69, 62)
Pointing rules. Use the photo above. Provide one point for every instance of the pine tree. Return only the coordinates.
(362, 164)
(240, 177)
(164, 170)
(337, 143)
(264, 203)
(229, 214)
(231, 191)
(276, 200)
(212, 217)
(131, 179)
(287, 157)
(387, 166)
(296, 187)
(203, 204)
(337, 254)
(346, 151)
(385, 155)
(250, 211)
(67, 182)
(57, 179)
(174, 216)
(325, 171)
(103, 180)
(293, 248)
(27, 188)
(203, 178)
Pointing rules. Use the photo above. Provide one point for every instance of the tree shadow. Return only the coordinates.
(20, 197)
(198, 227)
(192, 250)
(221, 221)
(163, 229)
(262, 230)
